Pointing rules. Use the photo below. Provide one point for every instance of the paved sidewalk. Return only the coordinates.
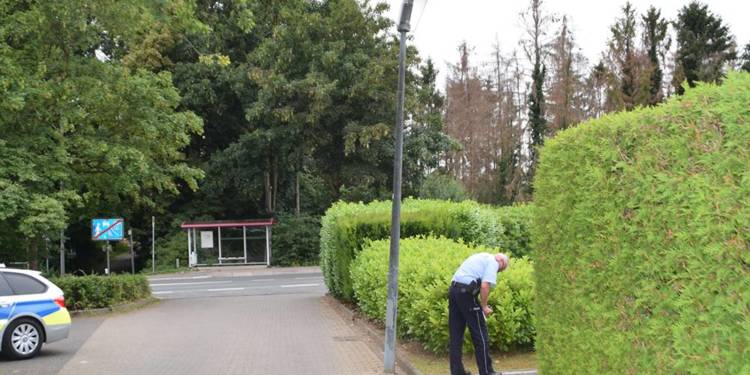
(272, 334)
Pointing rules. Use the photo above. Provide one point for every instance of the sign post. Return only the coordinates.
(107, 230)
(153, 238)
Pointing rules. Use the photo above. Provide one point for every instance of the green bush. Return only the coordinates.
(92, 292)
(346, 227)
(642, 239)
(426, 266)
(296, 240)
(437, 186)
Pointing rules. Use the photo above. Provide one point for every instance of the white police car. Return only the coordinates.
(32, 312)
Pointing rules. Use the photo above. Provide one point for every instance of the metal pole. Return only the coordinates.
(190, 248)
(132, 254)
(244, 242)
(153, 244)
(389, 360)
(268, 246)
(219, 245)
(62, 252)
(109, 269)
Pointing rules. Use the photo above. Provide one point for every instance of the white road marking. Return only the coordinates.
(181, 278)
(224, 289)
(163, 292)
(298, 285)
(195, 283)
(308, 278)
(527, 372)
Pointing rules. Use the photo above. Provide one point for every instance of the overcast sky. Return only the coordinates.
(440, 25)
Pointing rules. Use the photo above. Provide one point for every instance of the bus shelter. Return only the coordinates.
(229, 242)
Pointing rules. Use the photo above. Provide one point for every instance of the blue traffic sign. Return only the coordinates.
(107, 229)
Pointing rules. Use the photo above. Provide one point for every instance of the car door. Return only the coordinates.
(7, 301)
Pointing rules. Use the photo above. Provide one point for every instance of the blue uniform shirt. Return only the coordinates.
(478, 266)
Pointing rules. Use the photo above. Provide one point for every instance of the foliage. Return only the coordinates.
(93, 292)
(296, 240)
(426, 266)
(641, 239)
(347, 227)
(746, 58)
(168, 248)
(437, 186)
(704, 46)
(656, 42)
(84, 135)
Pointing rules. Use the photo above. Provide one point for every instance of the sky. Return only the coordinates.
(439, 26)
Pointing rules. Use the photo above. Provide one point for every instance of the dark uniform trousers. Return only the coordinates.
(464, 310)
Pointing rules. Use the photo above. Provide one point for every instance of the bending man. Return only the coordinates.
(476, 275)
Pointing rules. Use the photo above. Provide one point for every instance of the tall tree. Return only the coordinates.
(595, 93)
(656, 42)
(83, 136)
(705, 46)
(745, 61)
(535, 46)
(468, 115)
(625, 63)
(565, 98)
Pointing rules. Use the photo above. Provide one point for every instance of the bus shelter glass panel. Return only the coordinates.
(256, 245)
(206, 242)
(232, 248)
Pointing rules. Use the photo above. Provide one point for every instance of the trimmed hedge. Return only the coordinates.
(426, 266)
(642, 239)
(93, 292)
(346, 227)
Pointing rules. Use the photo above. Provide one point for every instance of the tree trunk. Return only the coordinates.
(33, 253)
(267, 185)
(275, 190)
(296, 189)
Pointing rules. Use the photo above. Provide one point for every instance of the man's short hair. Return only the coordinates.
(505, 259)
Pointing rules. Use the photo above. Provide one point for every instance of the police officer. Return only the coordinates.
(474, 278)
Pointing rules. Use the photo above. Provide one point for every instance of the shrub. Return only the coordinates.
(169, 248)
(641, 238)
(437, 186)
(426, 266)
(91, 292)
(296, 240)
(347, 226)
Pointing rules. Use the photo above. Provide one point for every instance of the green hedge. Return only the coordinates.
(642, 239)
(346, 227)
(92, 292)
(426, 266)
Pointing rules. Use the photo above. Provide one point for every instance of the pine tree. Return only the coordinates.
(745, 60)
(626, 87)
(535, 48)
(566, 86)
(704, 46)
(656, 43)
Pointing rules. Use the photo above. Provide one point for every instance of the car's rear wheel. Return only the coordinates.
(23, 339)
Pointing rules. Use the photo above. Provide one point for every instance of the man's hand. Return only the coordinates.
(487, 311)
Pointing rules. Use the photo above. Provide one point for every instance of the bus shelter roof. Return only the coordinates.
(228, 224)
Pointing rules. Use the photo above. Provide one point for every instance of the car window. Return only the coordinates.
(4, 287)
(23, 284)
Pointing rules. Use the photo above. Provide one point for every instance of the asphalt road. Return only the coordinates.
(209, 286)
(216, 324)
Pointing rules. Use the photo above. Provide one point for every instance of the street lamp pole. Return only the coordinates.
(392, 303)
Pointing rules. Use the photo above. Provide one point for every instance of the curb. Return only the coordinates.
(376, 336)
(123, 307)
